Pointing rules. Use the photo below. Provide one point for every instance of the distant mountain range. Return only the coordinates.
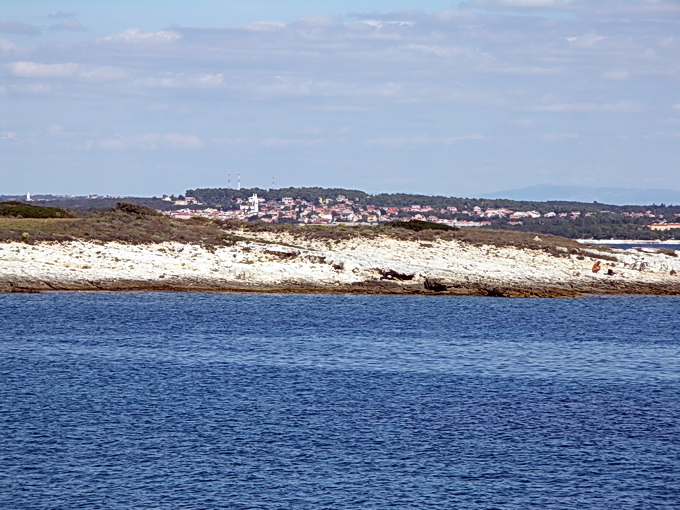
(613, 196)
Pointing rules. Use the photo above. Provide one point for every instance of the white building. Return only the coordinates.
(255, 203)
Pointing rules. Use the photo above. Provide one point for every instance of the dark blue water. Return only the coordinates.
(178, 400)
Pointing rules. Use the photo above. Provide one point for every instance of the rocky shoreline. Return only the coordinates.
(285, 263)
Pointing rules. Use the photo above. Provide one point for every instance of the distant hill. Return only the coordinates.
(614, 196)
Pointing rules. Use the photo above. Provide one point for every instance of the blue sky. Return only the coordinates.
(461, 99)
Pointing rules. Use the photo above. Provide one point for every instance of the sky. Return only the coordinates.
(458, 98)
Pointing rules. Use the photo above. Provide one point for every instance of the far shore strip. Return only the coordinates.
(650, 242)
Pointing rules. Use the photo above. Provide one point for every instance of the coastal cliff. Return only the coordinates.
(294, 262)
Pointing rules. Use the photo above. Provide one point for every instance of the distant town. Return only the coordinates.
(323, 206)
(343, 210)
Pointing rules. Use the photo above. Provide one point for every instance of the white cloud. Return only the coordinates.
(164, 82)
(335, 108)
(410, 141)
(148, 142)
(644, 7)
(62, 15)
(524, 123)
(7, 47)
(663, 135)
(32, 89)
(71, 25)
(290, 142)
(618, 107)
(229, 142)
(208, 80)
(522, 4)
(458, 15)
(585, 7)
(16, 27)
(616, 75)
(445, 51)
(56, 130)
(586, 40)
(182, 81)
(265, 26)
(536, 3)
(380, 24)
(114, 143)
(135, 36)
(316, 22)
(676, 107)
(26, 69)
(180, 141)
(282, 85)
(559, 137)
(668, 42)
(108, 73)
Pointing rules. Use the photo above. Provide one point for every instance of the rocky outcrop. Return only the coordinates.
(279, 262)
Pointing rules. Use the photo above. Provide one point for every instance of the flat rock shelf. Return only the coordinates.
(281, 262)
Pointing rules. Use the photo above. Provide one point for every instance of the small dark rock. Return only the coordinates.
(434, 285)
(390, 274)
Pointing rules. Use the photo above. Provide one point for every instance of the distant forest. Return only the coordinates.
(226, 197)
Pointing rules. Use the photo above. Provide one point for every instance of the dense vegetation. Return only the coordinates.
(224, 197)
(21, 210)
(136, 209)
(593, 227)
(81, 206)
(419, 226)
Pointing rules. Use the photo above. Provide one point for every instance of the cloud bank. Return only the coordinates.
(494, 93)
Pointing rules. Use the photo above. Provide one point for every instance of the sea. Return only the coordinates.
(153, 400)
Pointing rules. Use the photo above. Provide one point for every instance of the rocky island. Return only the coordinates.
(138, 250)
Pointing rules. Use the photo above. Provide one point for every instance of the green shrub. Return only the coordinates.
(419, 225)
(21, 210)
(136, 209)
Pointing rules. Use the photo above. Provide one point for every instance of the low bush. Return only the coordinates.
(136, 209)
(131, 226)
(419, 226)
(21, 210)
